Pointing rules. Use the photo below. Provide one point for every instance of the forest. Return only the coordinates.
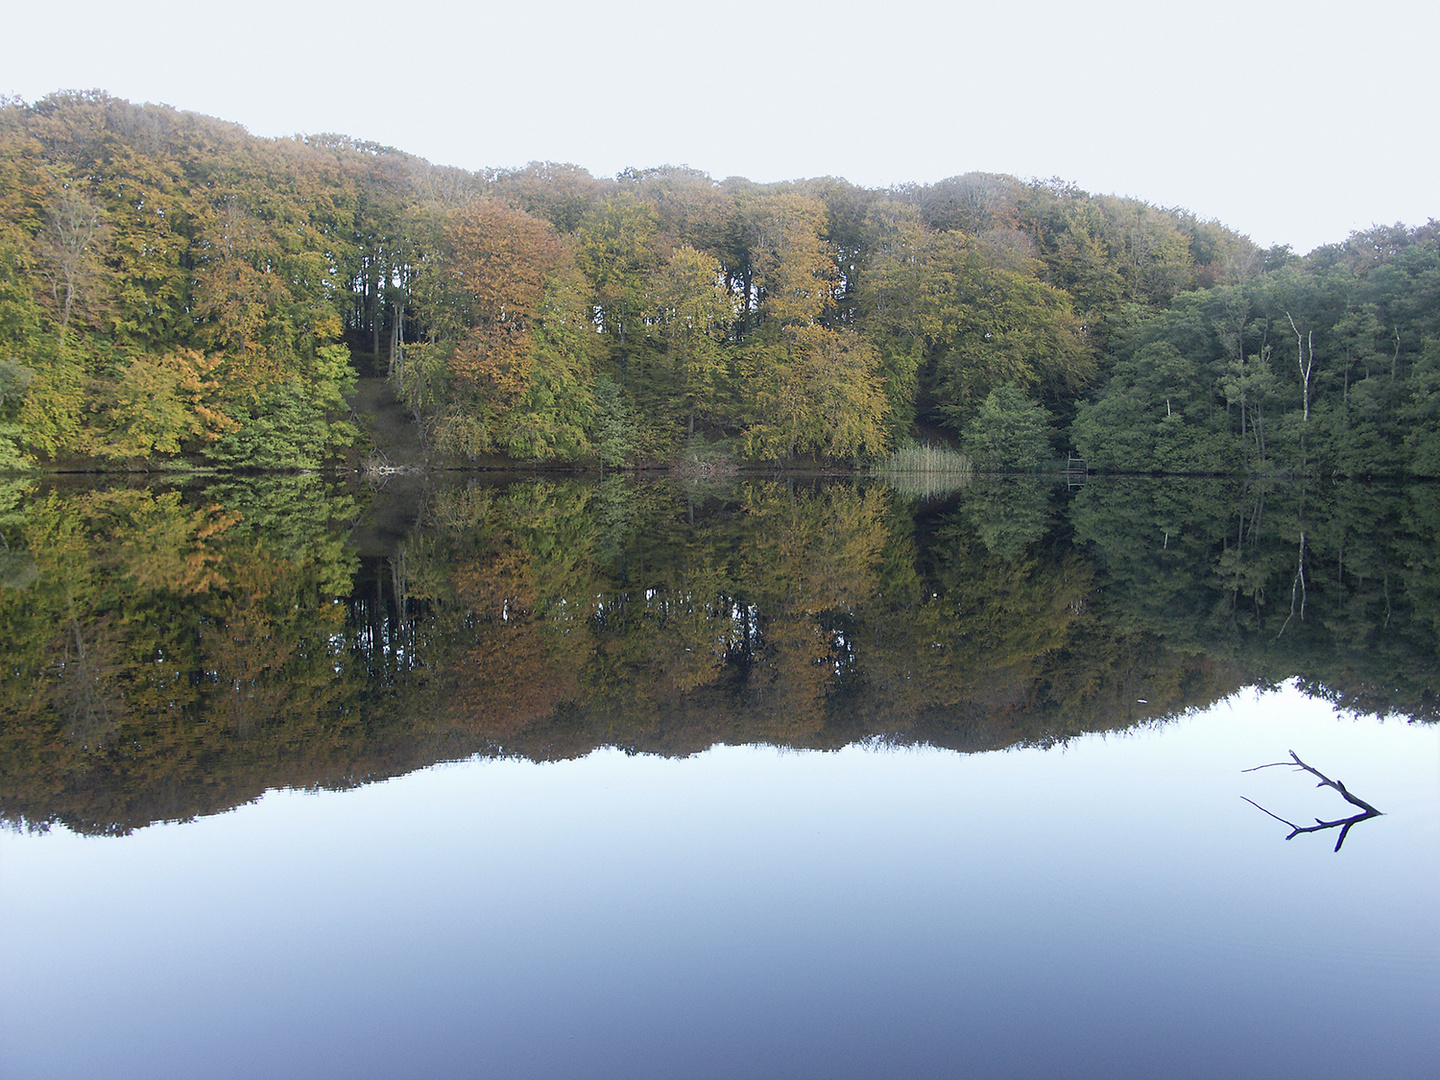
(177, 293)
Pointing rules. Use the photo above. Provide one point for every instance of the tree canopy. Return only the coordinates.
(172, 287)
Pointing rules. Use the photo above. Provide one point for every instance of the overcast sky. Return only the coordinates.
(1293, 121)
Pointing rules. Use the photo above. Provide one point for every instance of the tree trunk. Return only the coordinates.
(1305, 343)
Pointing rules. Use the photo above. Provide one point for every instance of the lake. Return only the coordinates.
(540, 777)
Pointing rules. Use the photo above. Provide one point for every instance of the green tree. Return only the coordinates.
(692, 312)
(615, 247)
(1155, 416)
(614, 436)
(1004, 328)
(818, 392)
(1422, 414)
(1008, 431)
(15, 379)
(296, 422)
(550, 418)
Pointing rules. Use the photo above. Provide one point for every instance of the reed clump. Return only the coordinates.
(925, 470)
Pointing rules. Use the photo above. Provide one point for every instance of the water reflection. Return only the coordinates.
(172, 651)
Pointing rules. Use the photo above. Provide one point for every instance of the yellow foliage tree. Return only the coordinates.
(158, 403)
(818, 391)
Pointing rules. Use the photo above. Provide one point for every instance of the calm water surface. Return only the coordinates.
(563, 779)
(1109, 908)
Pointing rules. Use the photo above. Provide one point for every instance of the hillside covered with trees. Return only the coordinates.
(172, 288)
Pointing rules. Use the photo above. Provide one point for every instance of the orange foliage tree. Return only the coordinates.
(498, 259)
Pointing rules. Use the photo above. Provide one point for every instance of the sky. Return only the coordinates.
(1292, 121)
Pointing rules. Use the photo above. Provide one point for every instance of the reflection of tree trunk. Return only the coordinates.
(1343, 824)
(399, 586)
(80, 694)
(1257, 519)
(1297, 588)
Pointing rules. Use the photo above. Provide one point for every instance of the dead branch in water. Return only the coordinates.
(1343, 824)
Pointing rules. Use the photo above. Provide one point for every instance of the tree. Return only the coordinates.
(692, 311)
(162, 404)
(1155, 415)
(614, 436)
(1004, 328)
(794, 270)
(491, 286)
(1422, 414)
(818, 392)
(975, 203)
(550, 418)
(615, 249)
(488, 293)
(15, 379)
(295, 421)
(68, 242)
(562, 194)
(1250, 383)
(1008, 431)
(901, 299)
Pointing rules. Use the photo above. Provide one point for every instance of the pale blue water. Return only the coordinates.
(1111, 908)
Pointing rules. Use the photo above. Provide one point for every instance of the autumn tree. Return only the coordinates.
(68, 243)
(819, 392)
(483, 297)
(691, 314)
(162, 404)
(794, 270)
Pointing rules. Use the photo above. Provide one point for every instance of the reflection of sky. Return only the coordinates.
(1109, 909)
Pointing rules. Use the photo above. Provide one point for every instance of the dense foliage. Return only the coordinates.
(1326, 365)
(171, 286)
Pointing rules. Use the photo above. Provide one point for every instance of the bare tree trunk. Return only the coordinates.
(397, 331)
(1306, 345)
(72, 227)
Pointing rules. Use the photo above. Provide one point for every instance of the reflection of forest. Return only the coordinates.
(174, 652)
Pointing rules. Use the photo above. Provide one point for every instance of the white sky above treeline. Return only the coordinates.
(1293, 121)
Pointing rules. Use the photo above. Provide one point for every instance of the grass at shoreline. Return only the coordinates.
(925, 470)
